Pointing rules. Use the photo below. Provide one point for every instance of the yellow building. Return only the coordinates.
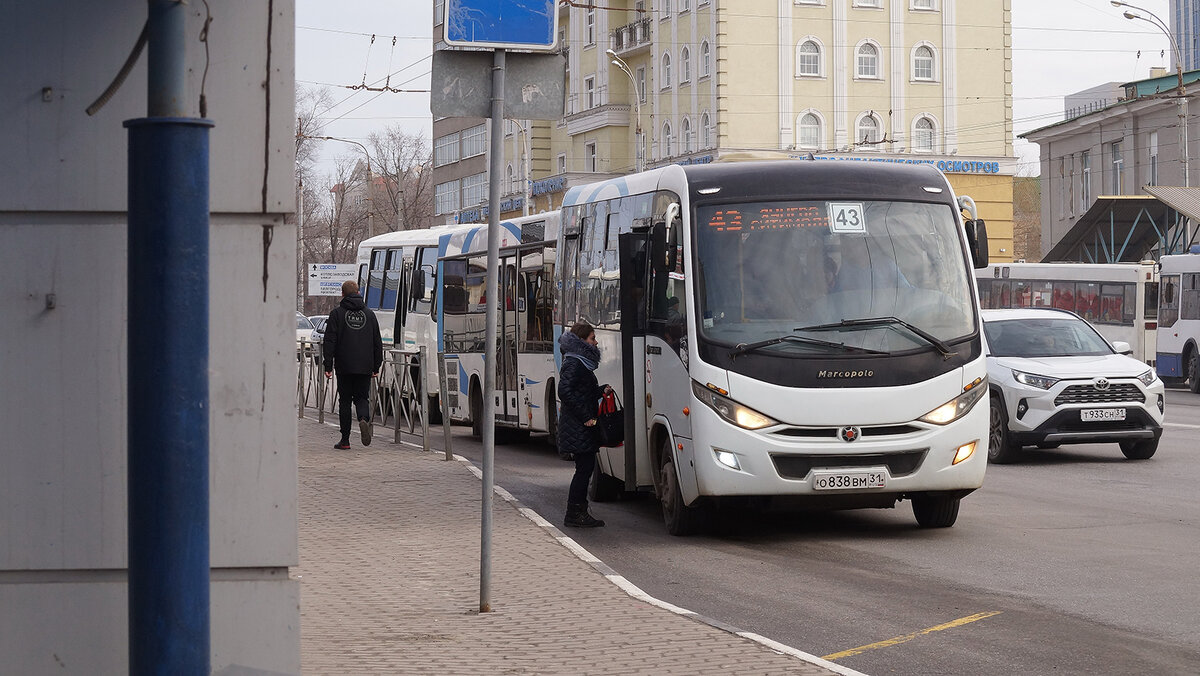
(706, 80)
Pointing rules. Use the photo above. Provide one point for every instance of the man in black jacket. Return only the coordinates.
(353, 347)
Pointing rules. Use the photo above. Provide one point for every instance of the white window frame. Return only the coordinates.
(664, 69)
(820, 121)
(1085, 178)
(641, 83)
(475, 136)
(446, 149)
(933, 63)
(474, 189)
(685, 136)
(510, 175)
(665, 10)
(589, 92)
(685, 65)
(858, 137)
(665, 140)
(446, 197)
(590, 26)
(589, 157)
(869, 4)
(917, 132)
(1152, 162)
(706, 130)
(1117, 155)
(562, 163)
(923, 5)
(815, 42)
(684, 6)
(705, 59)
(878, 61)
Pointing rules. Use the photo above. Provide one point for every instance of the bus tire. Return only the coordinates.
(603, 487)
(1001, 448)
(1192, 364)
(680, 519)
(476, 404)
(551, 415)
(935, 511)
(1141, 449)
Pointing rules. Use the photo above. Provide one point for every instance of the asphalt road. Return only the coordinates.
(1072, 561)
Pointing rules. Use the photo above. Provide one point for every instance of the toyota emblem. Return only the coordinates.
(850, 433)
(1100, 384)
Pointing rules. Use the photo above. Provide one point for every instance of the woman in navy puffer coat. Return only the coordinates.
(577, 434)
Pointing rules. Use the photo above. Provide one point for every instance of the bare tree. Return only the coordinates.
(311, 105)
(404, 161)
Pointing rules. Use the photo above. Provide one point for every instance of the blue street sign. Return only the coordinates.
(502, 24)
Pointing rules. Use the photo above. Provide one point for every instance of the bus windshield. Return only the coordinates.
(770, 269)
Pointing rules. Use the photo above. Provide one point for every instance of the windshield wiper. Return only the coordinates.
(742, 348)
(884, 321)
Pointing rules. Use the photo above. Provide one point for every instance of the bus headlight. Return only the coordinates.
(956, 407)
(730, 410)
(1147, 378)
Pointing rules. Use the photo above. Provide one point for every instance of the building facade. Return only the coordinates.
(1185, 28)
(658, 82)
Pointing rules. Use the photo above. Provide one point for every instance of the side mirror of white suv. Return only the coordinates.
(1122, 347)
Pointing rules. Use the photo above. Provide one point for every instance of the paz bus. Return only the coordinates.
(803, 330)
(396, 278)
(525, 395)
(1179, 319)
(1119, 299)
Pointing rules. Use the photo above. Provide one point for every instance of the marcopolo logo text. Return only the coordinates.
(845, 374)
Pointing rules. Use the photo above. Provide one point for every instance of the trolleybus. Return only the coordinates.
(1179, 319)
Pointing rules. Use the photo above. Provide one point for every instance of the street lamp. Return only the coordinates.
(1181, 98)
(370, 180)
(639, 162)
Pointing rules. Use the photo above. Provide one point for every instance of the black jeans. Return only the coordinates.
(353, 388)
(585, 464)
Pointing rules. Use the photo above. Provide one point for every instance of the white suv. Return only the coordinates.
(1055, 380)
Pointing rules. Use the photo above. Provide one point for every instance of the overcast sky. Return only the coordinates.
(1059, 47)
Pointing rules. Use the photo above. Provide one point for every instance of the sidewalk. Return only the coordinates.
(389, 582)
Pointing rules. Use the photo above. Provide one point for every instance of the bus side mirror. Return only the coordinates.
(977, 240)
(672, 235)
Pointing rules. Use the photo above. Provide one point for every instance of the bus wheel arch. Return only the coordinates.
(1191, 366)
(680, 519)
(475, 403)
(551, 413)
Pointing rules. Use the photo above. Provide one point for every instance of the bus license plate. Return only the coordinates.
(1089, 414)
(843, 480)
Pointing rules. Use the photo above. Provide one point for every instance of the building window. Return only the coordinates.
(474, 141)
(685, 65)
(868, 132)
(706, 130)
(591, 26)
(923, 4)
(474, 190)
(808, 59)
(665, 141)
(562, 164)
(445, 197)
(868, 62)
(686, 140)
(589, 92)
(666, 9)
(641, 83)
(923, 135)
(684, 5)
(1152, 179)
(810, 132)
(512, 179)
(1062, 187)
(1118, 163)
(445, 149)
(666, 71)
(705, 59)
(1085, 185)
(923, 63)
(866, 3)
(589, 157)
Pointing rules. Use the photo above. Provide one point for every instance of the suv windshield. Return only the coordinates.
(774, 268)
(1057, 337)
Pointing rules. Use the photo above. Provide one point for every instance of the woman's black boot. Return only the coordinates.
(578, 517)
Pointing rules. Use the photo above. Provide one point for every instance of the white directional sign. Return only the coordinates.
(325, 279)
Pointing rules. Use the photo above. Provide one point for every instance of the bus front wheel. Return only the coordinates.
(935, 511)
(680, 518)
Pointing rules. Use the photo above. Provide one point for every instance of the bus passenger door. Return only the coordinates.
(633, 250)
(507, 394)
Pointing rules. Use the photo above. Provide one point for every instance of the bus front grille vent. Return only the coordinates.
(900, 463)
(832, 432)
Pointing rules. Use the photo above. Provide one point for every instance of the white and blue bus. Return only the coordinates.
(525, 393)
(1179, 319)
(797, 329)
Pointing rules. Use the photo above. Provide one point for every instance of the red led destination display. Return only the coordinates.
(768, 218)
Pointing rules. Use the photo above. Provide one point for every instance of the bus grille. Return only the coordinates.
(901, 463)
(1086, 394)
(832, 432)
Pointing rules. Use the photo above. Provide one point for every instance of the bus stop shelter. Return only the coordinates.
(1130, 228)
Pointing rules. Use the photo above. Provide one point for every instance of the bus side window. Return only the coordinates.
(1168, 306)
(374, 289)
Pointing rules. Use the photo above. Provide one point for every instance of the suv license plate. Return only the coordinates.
(1092, 414)
(843, 480)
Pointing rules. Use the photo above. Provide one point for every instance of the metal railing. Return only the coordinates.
(631, 35)
(397, 396)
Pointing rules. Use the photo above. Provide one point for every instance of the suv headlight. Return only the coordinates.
(730, 410)
(958, 406)
(1148, 377)
(1040, 382)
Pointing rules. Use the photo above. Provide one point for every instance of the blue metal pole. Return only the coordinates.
(168, 396)
(166, 73)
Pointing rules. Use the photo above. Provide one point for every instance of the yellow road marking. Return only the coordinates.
(908, 637)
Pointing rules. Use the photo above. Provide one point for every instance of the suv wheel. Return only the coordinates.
(1139, 450)
(1001, 448)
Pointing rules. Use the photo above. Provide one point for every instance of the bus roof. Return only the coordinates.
(822, 179)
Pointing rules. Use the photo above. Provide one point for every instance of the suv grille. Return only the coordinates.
(1086, 394)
